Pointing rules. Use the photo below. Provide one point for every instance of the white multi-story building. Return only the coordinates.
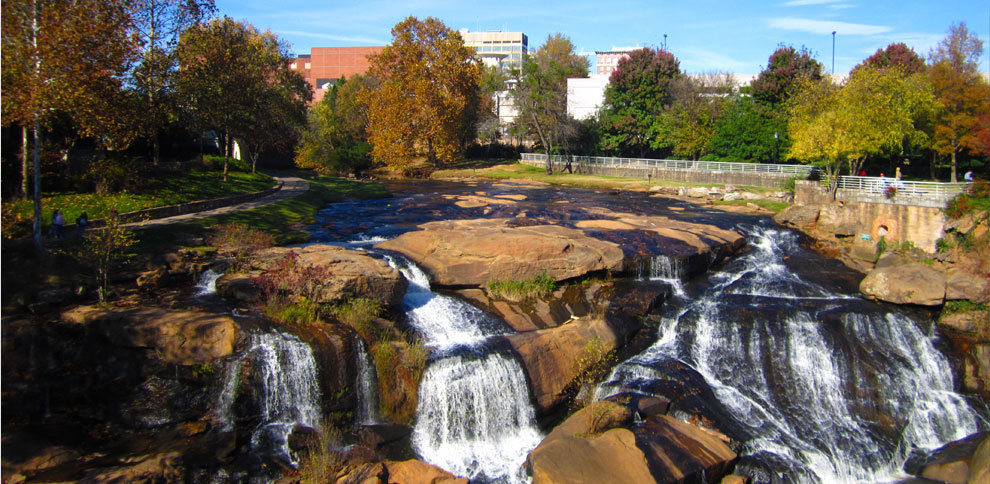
(585, 95)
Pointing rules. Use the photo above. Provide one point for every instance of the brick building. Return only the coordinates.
(324, 66)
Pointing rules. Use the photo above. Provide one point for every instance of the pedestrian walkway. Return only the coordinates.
(291, 187)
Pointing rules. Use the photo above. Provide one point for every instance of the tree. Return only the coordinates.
(65, 59)
(899, 55)
(786, 68)
(750, 131)
(815, 128)
(688, 126)
(335, 136)
(157, 25)
(963, 95)
(639, 90)
(427, 99)
(236, 80)
(541, 92)
(493, 84)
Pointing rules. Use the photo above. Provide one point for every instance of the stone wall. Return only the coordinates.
(922, 226)
(765, 180)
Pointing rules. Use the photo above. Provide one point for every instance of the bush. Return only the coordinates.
(215, 163)
(290, 290)
(324, 460)
(539, 287)
(360, 313)
(239, 242)
(113, 174)
(105, 247)
(592, 367)
(959, 206)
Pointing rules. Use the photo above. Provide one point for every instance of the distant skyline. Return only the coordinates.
(705, 35)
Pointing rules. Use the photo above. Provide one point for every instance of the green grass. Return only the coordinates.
(187, 187)
(520, 171)
(539, 286)
(285, 220)
(771, 205)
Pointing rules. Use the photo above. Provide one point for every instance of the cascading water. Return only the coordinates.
(460, 426)
(820, 386)
(207, 284)
(665, 269)
(287, 395)
(367, 385)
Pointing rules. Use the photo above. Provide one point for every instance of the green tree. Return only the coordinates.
(540, 92)
(960, 90)
(639, 91)
(688, 126)
(104, 248)
(65, 60)
(335, 136)
(750, 131)
(157, 25)
(428, 96)
(786, 68)
(815, 127)
(236, 80)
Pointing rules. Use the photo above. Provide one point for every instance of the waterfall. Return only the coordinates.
(285, 389)
(207, 284)
(367, 385)
(665, 269)
(461, 425)
(820, 386)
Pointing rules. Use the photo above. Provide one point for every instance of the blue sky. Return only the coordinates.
(706, 35)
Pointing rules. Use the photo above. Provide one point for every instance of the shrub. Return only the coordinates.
(959, 206)
(592, 367)
(359, 313)
(105, 247)
(290, 290)
(399, 373)
(539, 287)
(324, 460)
(215, 163)
(113, 174)
(239, 242)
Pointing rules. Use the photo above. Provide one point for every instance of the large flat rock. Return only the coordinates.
(473, 253)
(905, 284)
(182, 337)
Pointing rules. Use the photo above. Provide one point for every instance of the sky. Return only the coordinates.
(705, 35)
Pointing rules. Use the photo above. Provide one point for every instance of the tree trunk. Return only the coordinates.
(36, 223)
(547, 145)
(954, 179)
(24, 162)
(226, 152)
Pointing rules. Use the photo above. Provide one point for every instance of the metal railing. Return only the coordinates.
(901, 191)
(646, 163)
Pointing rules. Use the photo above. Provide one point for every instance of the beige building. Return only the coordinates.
(504, 50)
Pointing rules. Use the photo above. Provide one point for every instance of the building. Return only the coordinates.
(585, 95)
(504, 50)
(324, 66)
(607, 60)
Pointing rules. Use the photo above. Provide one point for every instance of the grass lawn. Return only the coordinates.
(285, 220)
(527, 172)
(187, 187)
(771, 205)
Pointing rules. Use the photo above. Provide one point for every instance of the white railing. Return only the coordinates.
(935, 194)
(647, 163)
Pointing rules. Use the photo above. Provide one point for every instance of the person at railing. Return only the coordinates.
(968, 177)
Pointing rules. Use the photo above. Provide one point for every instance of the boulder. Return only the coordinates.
(594, 445)
(550, 356)
(331, 274)
(963, 284)
(179, 336)
(160, 467)
(973, 323)
(798, 216)
(731, 196)
(952, 462)
(979, 469)
(240, 287)
(465, 253)
(905, 284)
(418, 472)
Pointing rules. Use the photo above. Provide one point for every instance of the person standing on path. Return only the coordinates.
(58, 222)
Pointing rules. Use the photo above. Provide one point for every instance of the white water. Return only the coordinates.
(207, 284)
(367, 385)
(665, 269)
(287, 395)
(802, 390)
(474, 417)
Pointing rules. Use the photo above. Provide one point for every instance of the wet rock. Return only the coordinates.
(680, 452)
(182, 337)
(906, 284)
(565, 304)
(160, 467)
(239, 287)
(979, 469)
(952, 462)
(973, 323)
(466, 253)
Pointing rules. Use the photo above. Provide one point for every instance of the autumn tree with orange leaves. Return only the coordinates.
(428, 97)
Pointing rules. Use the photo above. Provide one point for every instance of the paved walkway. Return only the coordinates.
(291, 187)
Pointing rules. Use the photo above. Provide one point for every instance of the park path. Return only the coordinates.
(291, 187)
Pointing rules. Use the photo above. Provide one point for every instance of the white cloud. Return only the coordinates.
(826, 26)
